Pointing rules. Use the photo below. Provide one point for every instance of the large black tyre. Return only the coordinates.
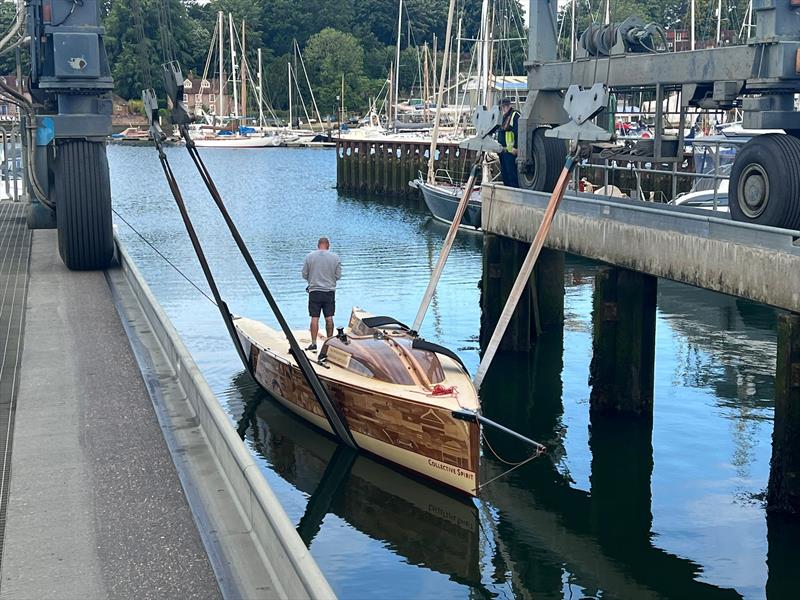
(83, 205)
(764, 187)
(545, 160)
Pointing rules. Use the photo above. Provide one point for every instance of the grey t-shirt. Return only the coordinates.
(322, 269)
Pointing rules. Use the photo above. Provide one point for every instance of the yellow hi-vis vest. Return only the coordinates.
(510, 138)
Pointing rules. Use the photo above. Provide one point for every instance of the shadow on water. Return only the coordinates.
(374, 498)
(602, 538)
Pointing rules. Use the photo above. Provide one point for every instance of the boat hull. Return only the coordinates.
(443, 201)
(416, 435)
(239, 142)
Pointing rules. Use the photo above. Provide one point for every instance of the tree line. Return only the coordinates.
(354, 38)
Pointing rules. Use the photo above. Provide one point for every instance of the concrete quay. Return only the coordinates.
(686, 245)
(124, 478)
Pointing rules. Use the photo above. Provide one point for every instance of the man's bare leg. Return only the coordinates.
(329, 326)
(314, 330)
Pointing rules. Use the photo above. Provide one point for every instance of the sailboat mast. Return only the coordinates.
(458, 61)
(719, 21)
(260, 92)
(233, 68)
(573, 36)
(484, 70)
(425, 91)
(389, 96)
(221, 27)
(289, 72)
(437, 118)
(692, 10)
(397, 59)
(243, 72)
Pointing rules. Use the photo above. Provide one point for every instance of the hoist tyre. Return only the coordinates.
(83, 205)
(764, 186)
(546, 159)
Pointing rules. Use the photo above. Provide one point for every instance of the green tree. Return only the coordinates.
(330, 56)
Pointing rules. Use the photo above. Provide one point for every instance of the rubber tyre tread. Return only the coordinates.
(548, 156)
(83, 205)
(779, 156)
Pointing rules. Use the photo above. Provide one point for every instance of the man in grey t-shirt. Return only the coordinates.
(321, 269)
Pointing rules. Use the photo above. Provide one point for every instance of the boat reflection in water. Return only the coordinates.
(374, 498)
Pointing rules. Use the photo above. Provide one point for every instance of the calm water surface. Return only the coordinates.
(614, 510)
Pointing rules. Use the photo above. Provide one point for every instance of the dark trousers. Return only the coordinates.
(508, 169)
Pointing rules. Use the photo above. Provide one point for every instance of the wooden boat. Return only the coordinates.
(442, 200)
(398, 400)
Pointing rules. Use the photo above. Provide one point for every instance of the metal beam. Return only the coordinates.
(760, 66)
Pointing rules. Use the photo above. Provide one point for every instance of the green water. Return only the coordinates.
(614, 510)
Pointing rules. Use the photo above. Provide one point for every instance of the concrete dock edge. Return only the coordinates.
(287, 561)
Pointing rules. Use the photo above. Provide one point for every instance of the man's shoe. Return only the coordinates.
(312, 348)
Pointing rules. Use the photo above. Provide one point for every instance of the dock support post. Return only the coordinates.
(541, 306)
(624, 335)
(783, 491)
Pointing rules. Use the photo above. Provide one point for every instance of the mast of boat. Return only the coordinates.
(692, 19)
(607, 19)
(260, 92)
(243, 71)
(289, 73)
(341, 119)
(221, 27)
(483, 83)
(435, 48)
(233, 68)
(490, 66)
(397, 59)
(437, 118)
(458, 65)
(719, 21)
(390, 96)
(425, 90)
(573, 38)
(308, 82)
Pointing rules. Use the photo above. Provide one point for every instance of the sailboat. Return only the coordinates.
(442, 197)
(235, 134)
(402, 397)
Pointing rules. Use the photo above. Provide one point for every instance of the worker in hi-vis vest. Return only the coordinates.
(507, 137)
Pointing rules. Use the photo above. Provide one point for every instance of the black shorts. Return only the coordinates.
(321, 301)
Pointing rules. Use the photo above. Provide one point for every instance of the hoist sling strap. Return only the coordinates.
(332, 411)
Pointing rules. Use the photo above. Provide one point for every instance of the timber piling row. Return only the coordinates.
(384, 167)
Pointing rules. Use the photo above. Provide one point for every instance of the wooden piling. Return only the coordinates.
(623, 344)
(783, 490)
(541, 306)
(384, 167)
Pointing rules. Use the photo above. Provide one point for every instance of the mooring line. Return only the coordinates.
(168, 261)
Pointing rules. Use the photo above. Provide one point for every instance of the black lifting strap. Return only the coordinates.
(180, 116)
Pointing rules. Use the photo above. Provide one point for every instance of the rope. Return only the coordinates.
(514, 465)
(167, 260)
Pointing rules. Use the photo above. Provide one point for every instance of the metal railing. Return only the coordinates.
(12, 167)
